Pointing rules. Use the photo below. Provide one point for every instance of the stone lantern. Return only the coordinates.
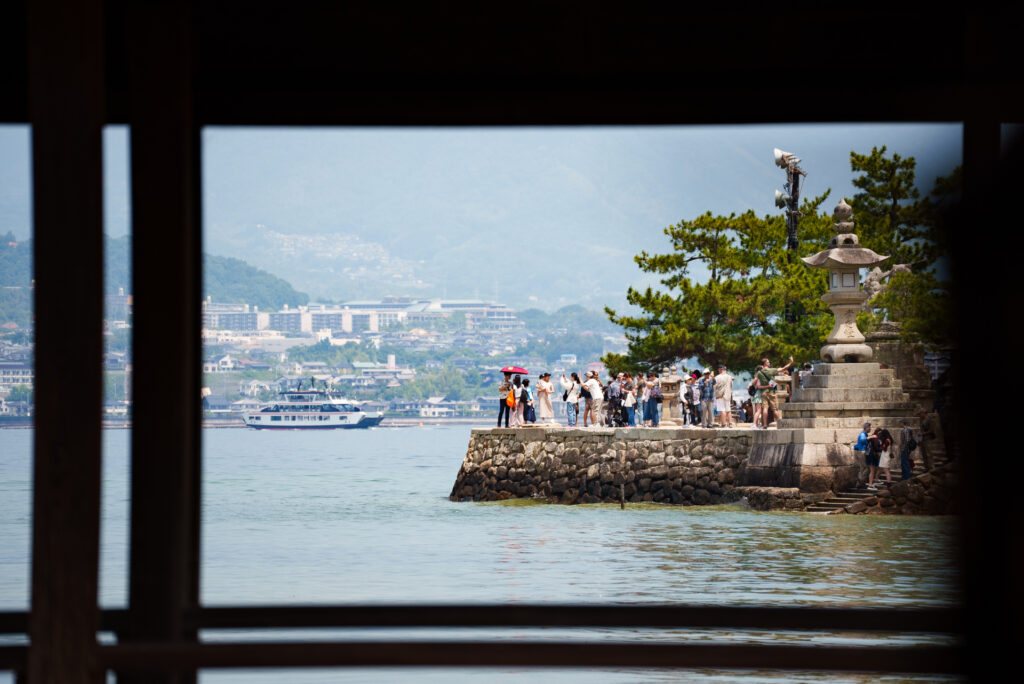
(670, 383)
(844, 258)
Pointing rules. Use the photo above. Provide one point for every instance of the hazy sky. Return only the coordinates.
(443, 197)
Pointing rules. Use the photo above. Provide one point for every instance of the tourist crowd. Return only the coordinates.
(705, 399)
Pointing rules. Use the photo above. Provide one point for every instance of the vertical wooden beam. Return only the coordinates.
(66, 104)
(166, 267)
(984, 270)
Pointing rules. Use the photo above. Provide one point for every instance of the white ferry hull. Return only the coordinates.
(311, 410)
(312, 421)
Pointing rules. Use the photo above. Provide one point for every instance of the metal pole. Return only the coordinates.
(792, 218)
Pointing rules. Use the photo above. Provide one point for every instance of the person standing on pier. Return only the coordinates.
(503, 408)
(629, 400)
(654, 398)
(706, 387)
(572, 398)
(766, 383)
(520, 401)
(723, 396)
(596, 401)
(529, 413)
(693, 396)
(545, 411)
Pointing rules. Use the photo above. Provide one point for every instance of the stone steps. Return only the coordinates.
(846, 395)
(852, 408)
(877, 380)
(861, 492)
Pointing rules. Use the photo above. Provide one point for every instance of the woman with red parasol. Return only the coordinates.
(504, 408)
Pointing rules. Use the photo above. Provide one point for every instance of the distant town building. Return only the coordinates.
(359, 315)
(14, 373)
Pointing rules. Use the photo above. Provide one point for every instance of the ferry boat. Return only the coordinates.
(311, 410)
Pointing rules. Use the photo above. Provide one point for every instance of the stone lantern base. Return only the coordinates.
(846, 353)
(812, 449)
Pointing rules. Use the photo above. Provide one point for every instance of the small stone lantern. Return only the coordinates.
(844, 259)
(670, 383)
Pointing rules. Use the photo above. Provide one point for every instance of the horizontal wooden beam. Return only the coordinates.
(695, 617)
(923, 620)
(168, 657)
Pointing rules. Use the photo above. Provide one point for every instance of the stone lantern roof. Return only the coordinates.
(844, 249)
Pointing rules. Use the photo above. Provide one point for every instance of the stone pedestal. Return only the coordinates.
(812, 449)
(671, 412)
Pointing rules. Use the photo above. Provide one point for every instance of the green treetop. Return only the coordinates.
(736, 316)
(893, 219)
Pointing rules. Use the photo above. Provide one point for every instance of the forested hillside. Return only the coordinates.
(224, 279)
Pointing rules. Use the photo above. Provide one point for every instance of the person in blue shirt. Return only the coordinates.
(868, 443)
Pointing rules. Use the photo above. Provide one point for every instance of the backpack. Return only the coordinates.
(584, 392)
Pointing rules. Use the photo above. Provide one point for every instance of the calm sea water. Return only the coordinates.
(363, 517)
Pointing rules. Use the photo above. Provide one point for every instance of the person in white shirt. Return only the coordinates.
(572, 398)
(520, 395)
(597, 399)
(723, 396)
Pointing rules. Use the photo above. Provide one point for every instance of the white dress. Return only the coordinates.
(545, 411)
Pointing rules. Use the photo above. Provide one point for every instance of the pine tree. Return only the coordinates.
(894, 220)
(736, 316)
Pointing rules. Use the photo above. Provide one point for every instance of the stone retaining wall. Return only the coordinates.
(669, 465)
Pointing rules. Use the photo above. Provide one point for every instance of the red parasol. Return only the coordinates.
(515, 369)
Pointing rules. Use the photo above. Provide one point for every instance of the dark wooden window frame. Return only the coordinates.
(166, 69)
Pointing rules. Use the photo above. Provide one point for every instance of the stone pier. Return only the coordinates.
(683, 466)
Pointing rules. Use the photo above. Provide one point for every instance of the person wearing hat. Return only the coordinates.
(545, 411)
(723, 396)
(706, 387)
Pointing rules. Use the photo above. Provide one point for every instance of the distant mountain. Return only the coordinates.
(225, 279)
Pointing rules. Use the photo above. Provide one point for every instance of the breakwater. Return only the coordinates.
(684, 466)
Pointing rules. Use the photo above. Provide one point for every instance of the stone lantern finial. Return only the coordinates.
(843, 215)
(844, 259)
